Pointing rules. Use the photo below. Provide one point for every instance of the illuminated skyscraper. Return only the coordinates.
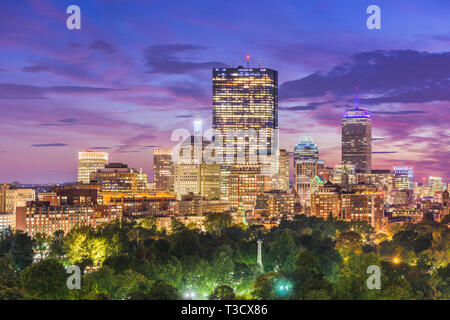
(245, 122)
(357, 138)
(306, 149)
(245, 98)
(306, 166)
(118, 178)
(163, 169)
(88, 162)
(282, 171)
(192, 174)
(403, 178)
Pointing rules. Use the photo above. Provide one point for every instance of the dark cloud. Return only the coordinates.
(49, 145)
(102, 46)
(404, 112)
(184, 116)
(35, 69)
(78, 89)
(308, 107)
(100, 148)
(384, 152)
(390, 76)
(68, 120)
(169, 58)
(20, 91)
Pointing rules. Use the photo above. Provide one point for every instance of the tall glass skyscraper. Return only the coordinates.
(245, 121)
(357, 139)
(306, 166)
(245, 98)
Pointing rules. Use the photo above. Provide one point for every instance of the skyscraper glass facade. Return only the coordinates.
(357, 139)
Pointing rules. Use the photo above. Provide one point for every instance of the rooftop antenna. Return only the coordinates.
(356, 98)
(259, 63)
(232, 63)
(248, 61)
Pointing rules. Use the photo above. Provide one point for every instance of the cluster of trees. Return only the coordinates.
(306, 258)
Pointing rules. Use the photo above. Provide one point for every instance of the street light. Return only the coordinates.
(190, 295)
(283, 287)
(396, 260)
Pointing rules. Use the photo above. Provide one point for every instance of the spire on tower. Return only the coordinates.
(248, 61)
(356, 98)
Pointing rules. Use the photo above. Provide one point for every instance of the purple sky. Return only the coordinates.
(137, 70)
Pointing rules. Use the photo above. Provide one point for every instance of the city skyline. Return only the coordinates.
(65, 94)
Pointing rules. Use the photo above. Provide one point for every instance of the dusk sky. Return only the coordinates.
(137, 70)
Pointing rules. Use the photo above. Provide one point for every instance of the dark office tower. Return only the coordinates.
(245, 98)
(357, 139)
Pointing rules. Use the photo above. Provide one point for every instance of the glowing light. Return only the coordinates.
(396, 260)
(283, 287)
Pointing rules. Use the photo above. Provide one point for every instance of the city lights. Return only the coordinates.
(147, 156)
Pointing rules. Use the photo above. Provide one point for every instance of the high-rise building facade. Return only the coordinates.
(344, 174)
(403, 178)
(90, 161)
(12, 197)
(282, 171)
(117, 177)
(245, 127)
(306, 167)
(306, 149)
(191, 172)
(326, 200)
(364, 203)
(40, 217)
(245, 99)
(163, 169)
(245, 183)
(357, 139)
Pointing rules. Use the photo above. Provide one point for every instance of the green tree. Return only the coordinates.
(264, 286)
(284, 251)
(161, 290)
(41, 245)
(184, 242)
(46, 280)
(7, 293)
(406, 239)
(9, 276)
(215, 223)
(352, 283)
(223, 292)
(308, 276)
(21, 250)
